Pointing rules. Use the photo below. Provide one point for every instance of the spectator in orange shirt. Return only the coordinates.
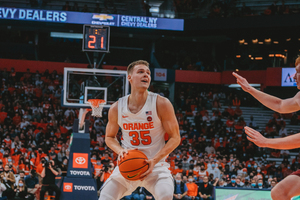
(3, 115)
(230, 122)
(230, 111)
(192, 192)
(11, 167)
(107, 171)
(7, 140)
(203, 111)
(16, 119)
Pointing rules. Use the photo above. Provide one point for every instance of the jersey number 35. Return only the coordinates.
(140, 137)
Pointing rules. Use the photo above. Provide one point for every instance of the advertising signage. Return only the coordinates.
(287, 77)
(242, 194)
(92, 18)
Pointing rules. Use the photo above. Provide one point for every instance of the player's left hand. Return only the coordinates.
(255, 137)
(151, 163)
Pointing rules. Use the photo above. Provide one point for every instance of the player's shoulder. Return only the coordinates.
(163, 106)
(162, 101)
(114, 107)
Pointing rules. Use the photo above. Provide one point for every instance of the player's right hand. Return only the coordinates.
(256, 137)
(121, 154)
(242, 82)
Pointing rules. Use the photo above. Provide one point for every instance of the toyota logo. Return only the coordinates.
(67, 187)
(80, 160)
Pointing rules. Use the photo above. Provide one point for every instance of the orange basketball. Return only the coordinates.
(133, 164)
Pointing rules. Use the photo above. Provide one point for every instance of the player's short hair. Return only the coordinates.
(297, 62)
(133, 64)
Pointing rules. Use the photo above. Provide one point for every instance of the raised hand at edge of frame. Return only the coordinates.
(255, 137)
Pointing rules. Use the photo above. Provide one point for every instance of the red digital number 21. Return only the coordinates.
(92, 41)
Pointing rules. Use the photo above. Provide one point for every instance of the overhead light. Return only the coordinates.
(285, 50)
(236, 70)
(289, 39)
(271, 55)
(245, 43)
(252, 58)
(238, 56)
(254, 41)
(275, 42)
(260, 42)
(154, 9)
(241, 41)
(258, 58)
(66, 35)
(299, 39)
(238, 86)
(278, 55)
(249, 56)
(268, 40)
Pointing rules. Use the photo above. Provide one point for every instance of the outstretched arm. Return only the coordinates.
(166, 114)
(282, 106)
(112, 129)
(289, 142)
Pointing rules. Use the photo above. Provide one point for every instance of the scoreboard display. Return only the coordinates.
(95, 38)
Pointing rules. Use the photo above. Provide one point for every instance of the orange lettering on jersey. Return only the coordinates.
(141, 126)
(151, 125)
(146, 125)
(130, 126)
(138, 126)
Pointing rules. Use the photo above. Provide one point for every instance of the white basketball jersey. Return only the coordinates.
(142, 130)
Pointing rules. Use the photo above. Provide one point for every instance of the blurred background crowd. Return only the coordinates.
(213, 149)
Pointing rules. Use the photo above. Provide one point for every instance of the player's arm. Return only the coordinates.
(112, 129)
(289, 142)
(274, 103)
(169, 122)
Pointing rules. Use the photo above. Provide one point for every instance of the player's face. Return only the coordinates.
(297, 76)
(140, 76)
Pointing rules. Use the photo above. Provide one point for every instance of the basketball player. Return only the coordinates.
(290, 186)
(142, 106)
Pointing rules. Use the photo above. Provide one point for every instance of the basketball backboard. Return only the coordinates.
(82, 84)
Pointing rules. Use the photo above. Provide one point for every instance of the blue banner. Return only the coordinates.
(80, 165)
(76, 188)
(92, 18)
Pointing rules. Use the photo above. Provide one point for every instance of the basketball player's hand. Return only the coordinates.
(121, 154)
(242, 82)
(255, 137)
(151, 164)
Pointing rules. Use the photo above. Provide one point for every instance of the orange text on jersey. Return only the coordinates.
(138, 126)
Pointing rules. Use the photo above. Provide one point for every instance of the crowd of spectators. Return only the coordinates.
(34, 127)
(185, 9)
(221, 8)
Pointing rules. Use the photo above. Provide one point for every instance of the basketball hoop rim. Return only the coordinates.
(95, 103)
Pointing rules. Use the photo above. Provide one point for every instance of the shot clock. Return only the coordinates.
(95, 38)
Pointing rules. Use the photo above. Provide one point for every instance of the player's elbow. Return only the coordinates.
(280, 107)
(177, 140)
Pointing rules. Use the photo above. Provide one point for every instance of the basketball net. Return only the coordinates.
(97, 106)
